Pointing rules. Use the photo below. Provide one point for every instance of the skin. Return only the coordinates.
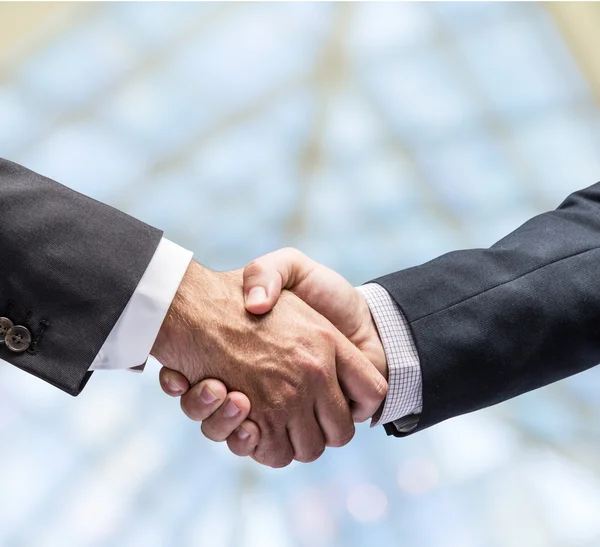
(326, 292)
(306, 381)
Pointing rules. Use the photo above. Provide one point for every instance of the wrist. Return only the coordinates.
(172, 346)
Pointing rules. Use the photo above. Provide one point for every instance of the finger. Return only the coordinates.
(173, 383)
(335, 417)
(227, 418)
(359, 380)
(265, 277)
(244, 440)
(323, 289)
(203, 399)
(274, 448)
(307, 438)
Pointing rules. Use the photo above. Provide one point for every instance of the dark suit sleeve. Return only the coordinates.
(491, 324)
(68, 267)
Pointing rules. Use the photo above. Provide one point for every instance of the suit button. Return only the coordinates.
(18, 339)
(5, 324)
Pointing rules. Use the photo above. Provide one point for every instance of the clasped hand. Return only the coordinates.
(279, 374)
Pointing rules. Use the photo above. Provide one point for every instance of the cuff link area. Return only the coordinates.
(16, 338)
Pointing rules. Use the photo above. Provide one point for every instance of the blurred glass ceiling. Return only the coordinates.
(371, 136)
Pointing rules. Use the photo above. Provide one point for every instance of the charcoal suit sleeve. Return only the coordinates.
(68, 267)
(491, 324)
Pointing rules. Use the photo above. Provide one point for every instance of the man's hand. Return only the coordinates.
(325, 291)
(242, 435)
(293, 364)
(210, 403)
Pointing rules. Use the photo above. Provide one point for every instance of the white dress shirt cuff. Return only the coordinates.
(131, 339)
(404, 399)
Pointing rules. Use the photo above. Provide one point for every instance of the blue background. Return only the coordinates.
(371, 136)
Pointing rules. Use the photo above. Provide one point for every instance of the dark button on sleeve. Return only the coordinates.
(5, 325)
(18, 339)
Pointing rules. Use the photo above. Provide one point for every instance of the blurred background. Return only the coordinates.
(371, 136)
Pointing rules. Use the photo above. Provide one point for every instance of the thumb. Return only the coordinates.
(265, 277)
(324, 290)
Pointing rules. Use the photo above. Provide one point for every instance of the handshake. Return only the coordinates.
(279, 359)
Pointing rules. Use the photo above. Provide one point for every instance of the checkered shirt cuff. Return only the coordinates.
(404, 399)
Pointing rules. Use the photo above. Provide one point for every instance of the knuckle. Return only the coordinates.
(315, 365)
(253, 269)
(327, 334)
(213, 433)
(278, 419)
(190, 409)
(343, 438)
(380, 390)
(308, 458)
(274, 459)
(278, 462)
(275, 416)
(292, 252)
(273, 453)
(238, 449)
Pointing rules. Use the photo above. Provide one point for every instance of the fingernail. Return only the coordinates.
(231, 410)
(257, 295)
(243, 434)
(207, 396)
(174, 388)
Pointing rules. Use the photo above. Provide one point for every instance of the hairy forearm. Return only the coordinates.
(207, 311)
(174, 341)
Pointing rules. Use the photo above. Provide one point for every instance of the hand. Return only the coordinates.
(292, 363)
(219, 420)
(325, 291)
(242, 435)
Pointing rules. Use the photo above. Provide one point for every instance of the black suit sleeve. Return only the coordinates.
(68, 267)
(491, 324)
